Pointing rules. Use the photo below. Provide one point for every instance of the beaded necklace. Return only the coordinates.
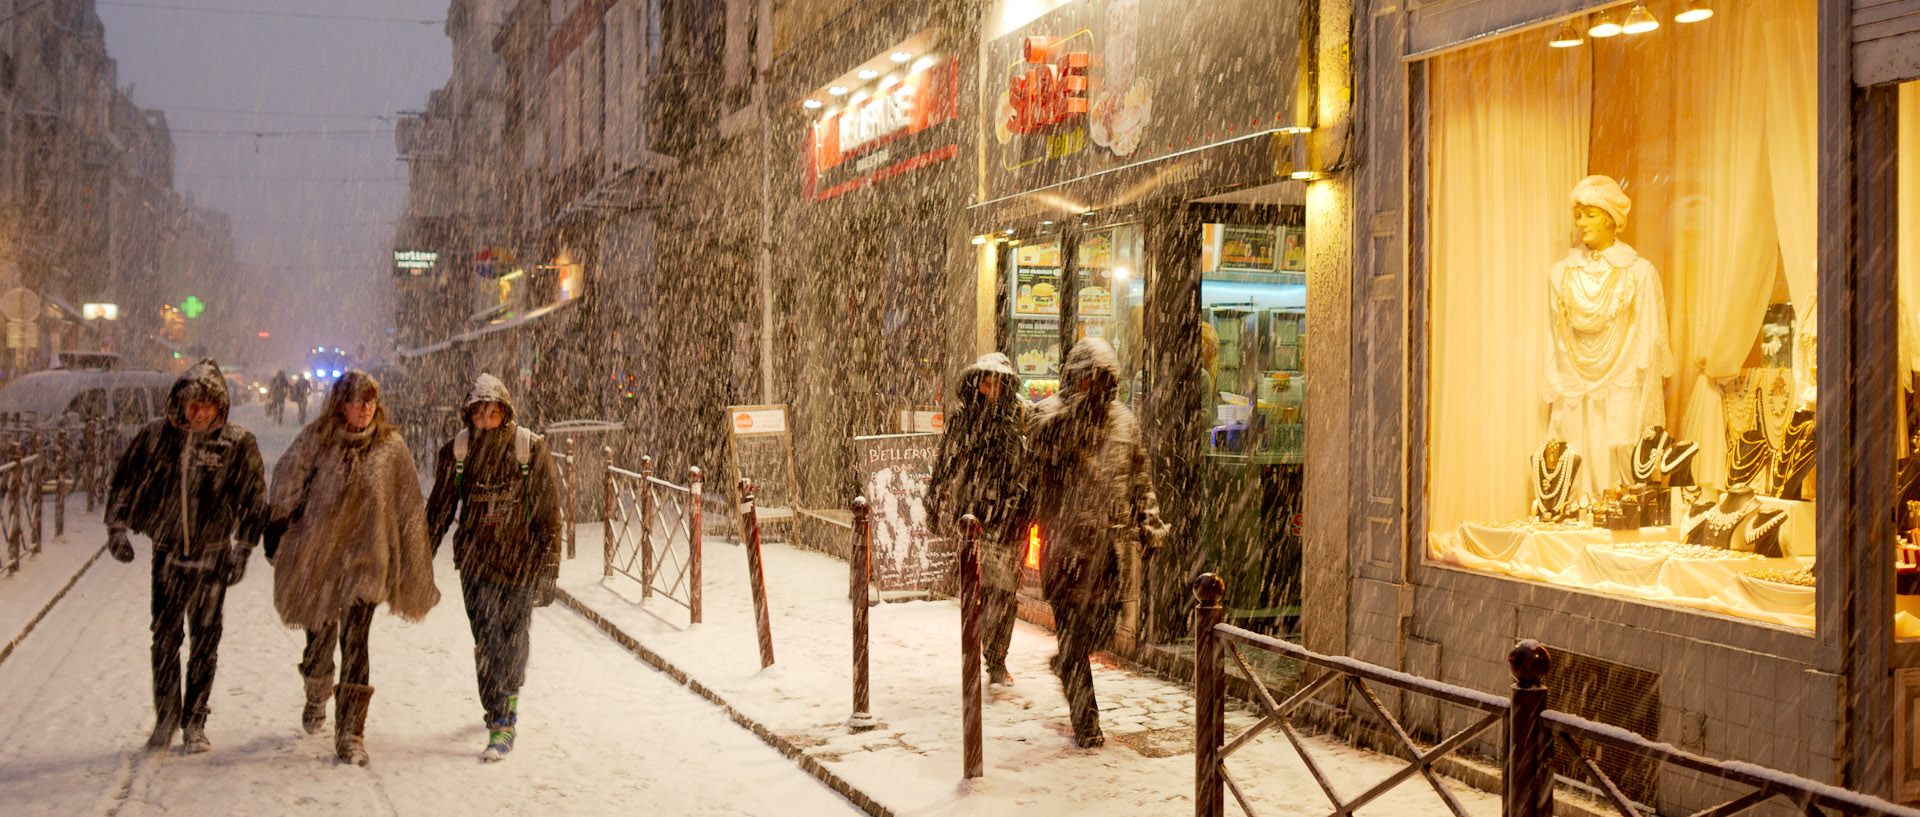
(1551, 484)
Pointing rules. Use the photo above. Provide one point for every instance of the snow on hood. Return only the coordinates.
(486, 389)
(991, 364)
(201, 381)
(1088, 357)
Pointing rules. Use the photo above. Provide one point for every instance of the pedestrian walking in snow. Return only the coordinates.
(978, 471)
(498, 479)
(193, 483)
(299, 389)
(277, 397)
(1092, 497)
(348, 532)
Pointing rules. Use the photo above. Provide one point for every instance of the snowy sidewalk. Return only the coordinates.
(44, 577)
(911, 764)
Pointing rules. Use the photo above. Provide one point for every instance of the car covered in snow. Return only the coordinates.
(61, 397)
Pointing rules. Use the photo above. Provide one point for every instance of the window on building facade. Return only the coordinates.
(1622, 245)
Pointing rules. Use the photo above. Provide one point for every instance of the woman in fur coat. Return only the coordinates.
(348, 532)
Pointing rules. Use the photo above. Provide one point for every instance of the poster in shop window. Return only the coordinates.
(893, 470)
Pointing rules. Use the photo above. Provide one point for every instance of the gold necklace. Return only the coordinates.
(1746, 457)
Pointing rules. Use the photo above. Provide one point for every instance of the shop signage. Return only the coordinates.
(762, 451)
(1100, 85)
(492, 262)
(109, 312)
(414, 262)
(893, 470)
(896, 127)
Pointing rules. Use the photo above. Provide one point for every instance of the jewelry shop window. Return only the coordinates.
(1907, 269)
(1622, 220)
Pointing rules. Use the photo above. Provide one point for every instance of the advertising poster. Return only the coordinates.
(893, 470)
(1293, 257)
(1036, 348)
(1036, 291)
(1247, 248)
(763, 452)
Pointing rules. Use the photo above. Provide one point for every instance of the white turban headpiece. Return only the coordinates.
(1605, 193)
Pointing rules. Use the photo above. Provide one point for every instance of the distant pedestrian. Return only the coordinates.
(300, 389)
(192, 482)
(1092, 497)
(277, 397)
(978, 471)
(349, 531)
(498, 477)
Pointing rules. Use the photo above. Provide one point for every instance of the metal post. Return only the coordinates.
(972, 755)
(857, 577)
(573, 498)
(695, 480)
(87, 462)
(1209, 697)
(16, 483)
(38, 474)
(756, 574)
(1529, 771)
(60, 465)
(646, 528)
(606, 524)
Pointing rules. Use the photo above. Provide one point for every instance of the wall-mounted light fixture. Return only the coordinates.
(1566, 37)
(1604, 26)
(1695, 11)
(1639, 20)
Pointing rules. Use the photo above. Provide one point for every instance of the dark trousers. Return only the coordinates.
(1081, 628)
(997, 610)
(185, 598)
(349, 631)
(500, 615)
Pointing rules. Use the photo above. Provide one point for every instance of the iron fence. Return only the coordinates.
(653, 532)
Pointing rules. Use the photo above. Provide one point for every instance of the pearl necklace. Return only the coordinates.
(1551, 485)
(1644, 469)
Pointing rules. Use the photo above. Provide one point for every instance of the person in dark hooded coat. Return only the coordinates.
(507, 547)
(194, 484)
(1091, 495)
(978, 471)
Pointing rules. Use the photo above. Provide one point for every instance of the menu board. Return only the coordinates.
(1036, 291)
(1036, 348)
(763, 452)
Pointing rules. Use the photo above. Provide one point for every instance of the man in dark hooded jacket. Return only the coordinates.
(1092, 497)
(978, 472)
(193, 483)
(499, 478)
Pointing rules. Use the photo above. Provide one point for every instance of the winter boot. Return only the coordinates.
(164, 726)
(501, 732)
(193, 733)
(314, 715)
(350, 722)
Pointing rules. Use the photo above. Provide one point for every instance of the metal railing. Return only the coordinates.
(653, 532)
(37, 462)
(566, 469)
(1532, 733)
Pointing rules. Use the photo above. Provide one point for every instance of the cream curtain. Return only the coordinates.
(1734, 257)
(1510, 123)
(1907, 255)
(1793, 134)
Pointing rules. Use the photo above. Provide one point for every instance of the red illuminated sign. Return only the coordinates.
(1052, 89)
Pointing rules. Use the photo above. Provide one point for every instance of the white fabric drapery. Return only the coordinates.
(1736, 256)
(1792, 57)
(1509, 132)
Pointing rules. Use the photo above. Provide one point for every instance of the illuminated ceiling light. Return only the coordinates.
(811, 104)
(1696, 11)
(979, 239)
(901, 56)
(1119, 273)
(1639, 20)
(1603, 26)
(1566, 37)
(868, 73)
(924, 62)
(838, 90)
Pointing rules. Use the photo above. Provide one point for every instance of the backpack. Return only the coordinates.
(522, 452)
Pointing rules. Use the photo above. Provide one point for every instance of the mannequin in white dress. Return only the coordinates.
(1607, 319)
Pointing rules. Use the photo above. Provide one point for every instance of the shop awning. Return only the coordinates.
(514, 322)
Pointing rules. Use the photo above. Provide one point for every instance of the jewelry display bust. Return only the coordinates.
(1793, 463)
(1660, 459)
(1552, 474)
(1737, 522)
(1748, 457)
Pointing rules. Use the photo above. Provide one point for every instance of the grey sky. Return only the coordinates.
(312, 215)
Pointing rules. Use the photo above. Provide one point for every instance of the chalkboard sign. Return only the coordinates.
(893, 470)
(762, 444)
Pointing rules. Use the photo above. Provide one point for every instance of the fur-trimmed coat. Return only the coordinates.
(363, 533)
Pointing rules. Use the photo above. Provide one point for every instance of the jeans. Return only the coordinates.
(997, 610)
(1080, 628)
(185, 598)
(500, 615)
(349, 630)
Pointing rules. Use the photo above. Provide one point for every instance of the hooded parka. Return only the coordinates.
(981, 461)
(361, 531)
(509, 518)
(1090, 490)
(191, 492)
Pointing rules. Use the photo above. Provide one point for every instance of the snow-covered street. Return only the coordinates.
(600, 733)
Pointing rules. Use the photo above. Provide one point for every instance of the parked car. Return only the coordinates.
(66, 397)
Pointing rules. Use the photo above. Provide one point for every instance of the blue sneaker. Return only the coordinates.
(500, 733)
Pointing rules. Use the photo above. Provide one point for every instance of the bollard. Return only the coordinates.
(573, 499)
(756, 574)
(972, 756)
(38, 477)
(857, 578)
(16, 496)
(695, 478)
(646, 528)
(606, 523)
(60, 484)
(1209, 698)
(86, 462)
(1529, 771)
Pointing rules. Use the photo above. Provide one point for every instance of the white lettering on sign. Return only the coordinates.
(885, 114)
(759, 421)
(873, 160)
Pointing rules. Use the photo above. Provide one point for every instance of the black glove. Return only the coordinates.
(233, 566)
(543, 587)
(118, 545)
(270, 537)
